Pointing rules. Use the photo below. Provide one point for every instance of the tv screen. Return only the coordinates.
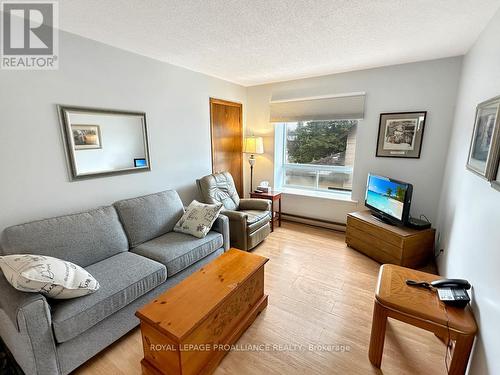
(140, 163)
(388, 197)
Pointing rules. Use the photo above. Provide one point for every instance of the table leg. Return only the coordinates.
(461, 353)
(279, 209)
(377, 337)
(272, 215)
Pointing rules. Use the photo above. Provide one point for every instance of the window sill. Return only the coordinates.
(334, 195)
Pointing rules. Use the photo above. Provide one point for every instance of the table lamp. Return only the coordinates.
(253, 145)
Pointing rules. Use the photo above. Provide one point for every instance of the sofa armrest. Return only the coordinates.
(237, 228)
(12, 301)
(27, 331)
(255, 204)
(221, 225)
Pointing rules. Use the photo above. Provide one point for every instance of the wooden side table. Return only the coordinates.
(421, 308)
(272, 196)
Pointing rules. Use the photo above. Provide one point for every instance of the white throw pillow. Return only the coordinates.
(198, 219)
(52, 277)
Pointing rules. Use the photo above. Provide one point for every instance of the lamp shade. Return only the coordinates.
(254, 145)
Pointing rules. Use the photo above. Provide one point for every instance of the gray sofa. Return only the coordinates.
(129, 248)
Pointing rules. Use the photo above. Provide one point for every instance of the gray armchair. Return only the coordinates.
(248, 218)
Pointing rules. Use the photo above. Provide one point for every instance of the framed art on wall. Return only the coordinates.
(400, 134)
(496, 182)
(483, 151)
(86, 137)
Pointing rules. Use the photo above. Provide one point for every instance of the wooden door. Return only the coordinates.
(227, 139)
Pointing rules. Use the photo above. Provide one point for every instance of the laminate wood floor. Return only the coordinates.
(320, 297)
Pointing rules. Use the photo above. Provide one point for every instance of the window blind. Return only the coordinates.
(338, 107)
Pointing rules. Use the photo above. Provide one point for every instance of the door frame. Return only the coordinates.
(213, 101)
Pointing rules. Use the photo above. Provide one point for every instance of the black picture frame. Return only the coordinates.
(398, 148)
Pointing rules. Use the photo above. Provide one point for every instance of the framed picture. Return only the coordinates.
(400, 134)
(86, 137)
(496, 182)
(484, 146)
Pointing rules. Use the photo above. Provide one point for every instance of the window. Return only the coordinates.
(318, 155)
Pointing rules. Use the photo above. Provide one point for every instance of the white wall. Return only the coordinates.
(429, 86)
(34, 180)
(469, 219)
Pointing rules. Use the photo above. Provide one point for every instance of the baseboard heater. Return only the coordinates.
(315, 222)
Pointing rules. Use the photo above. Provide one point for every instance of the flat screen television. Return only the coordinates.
(388, 199)
(139, 163)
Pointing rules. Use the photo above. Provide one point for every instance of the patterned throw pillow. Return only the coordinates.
(198, 219)
(52, 277)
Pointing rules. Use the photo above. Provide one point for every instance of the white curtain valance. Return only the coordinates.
(338, 107)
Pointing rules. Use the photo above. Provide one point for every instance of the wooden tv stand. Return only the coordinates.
(389, 243)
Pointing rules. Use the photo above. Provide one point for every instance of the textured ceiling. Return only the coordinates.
(258, 41)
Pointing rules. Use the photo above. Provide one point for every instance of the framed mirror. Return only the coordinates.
(103, 142)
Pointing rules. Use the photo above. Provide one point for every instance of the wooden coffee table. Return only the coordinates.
(190, 327)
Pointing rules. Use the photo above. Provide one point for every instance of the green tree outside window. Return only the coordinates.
(314, 140)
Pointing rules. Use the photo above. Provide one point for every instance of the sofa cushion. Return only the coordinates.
(83, 238)
(123, 278)
(254, 216)
(149, 216)
(198, 219)
(256, 219)
(177, 251)
(52, 277)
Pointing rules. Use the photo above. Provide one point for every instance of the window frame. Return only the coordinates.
(284, 166)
